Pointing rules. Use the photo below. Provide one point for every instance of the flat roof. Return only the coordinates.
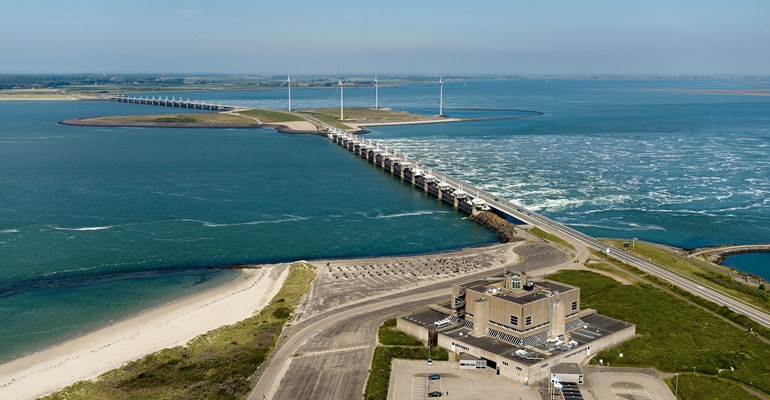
(425, 318)
(518, 297)
(594, 327)
(567, 368)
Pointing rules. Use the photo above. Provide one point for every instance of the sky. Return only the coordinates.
(392, 36)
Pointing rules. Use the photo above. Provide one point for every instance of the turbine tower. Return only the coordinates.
(342, 100)
(288, 81)
(440, 97)
(376, 93)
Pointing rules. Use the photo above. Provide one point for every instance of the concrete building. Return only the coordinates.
(519, 326)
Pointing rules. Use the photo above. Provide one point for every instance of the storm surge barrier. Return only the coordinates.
(469, 198)
(172, 102)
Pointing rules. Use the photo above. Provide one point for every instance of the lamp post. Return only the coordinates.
(676, 386)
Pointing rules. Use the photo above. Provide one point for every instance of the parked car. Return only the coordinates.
(434, 377)
(435, 393)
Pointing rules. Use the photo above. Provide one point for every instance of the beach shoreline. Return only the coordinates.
(171, 324)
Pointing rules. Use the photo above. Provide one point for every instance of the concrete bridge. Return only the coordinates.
(172, 102)
(471, 199)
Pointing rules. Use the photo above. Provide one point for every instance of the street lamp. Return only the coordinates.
(676, 386)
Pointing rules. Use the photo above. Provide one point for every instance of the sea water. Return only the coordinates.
(665, 161)
(100, 223)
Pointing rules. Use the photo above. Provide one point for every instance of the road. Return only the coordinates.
(351, 331)
(582, 240)
(572, 235)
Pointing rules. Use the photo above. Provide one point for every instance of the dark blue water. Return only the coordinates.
(755, 263)
(646, 159)
(96, 224)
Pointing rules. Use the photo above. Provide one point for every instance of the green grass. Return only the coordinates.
(329, 120)
(359, 114)
(215, 365)
(331, 116)
(203, 118)
(270, 116)
(395, 345)
(551, 238)
(708, 277)
(673, 335)
(692, 386)
(389, 336)
(379, 377)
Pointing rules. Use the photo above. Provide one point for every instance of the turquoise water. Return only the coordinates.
(96, 224)
(755, 263)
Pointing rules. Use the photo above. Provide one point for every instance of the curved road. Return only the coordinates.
(366, 316)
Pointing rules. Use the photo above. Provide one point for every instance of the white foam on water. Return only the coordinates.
(406, 214)
(85, 228)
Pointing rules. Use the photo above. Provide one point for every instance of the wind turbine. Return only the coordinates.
(440, 97)
(376, 93)
(342, 99)
(288, 81)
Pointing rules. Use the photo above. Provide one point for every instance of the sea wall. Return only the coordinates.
(506, 231)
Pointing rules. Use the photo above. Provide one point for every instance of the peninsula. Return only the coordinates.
(304, 121)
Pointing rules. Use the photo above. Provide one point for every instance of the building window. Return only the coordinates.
(515, 282)
(514, 320)
(574, 306)
(528, 320)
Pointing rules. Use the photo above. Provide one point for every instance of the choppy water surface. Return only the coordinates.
(96, 224)
(616, 160)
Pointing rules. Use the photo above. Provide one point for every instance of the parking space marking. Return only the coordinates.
(627, 393)
(419, 387)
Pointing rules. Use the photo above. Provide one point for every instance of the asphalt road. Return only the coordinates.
(346, 338)
(573, 235)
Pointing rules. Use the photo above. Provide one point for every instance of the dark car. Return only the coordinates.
(435, 393)
(434, 377)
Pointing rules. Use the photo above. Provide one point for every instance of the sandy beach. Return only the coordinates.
(172, 324)
(360, 124)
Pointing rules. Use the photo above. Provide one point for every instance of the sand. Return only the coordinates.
(360, 124)
(172, 324)
(298, 125)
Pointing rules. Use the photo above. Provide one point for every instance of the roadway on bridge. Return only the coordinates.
(581, 240)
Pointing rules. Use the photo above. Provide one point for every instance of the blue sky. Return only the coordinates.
(418, 36)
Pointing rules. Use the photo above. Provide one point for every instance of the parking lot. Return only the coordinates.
(409, 381)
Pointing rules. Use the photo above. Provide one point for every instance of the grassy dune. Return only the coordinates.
(203, 118)
(215, 365)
